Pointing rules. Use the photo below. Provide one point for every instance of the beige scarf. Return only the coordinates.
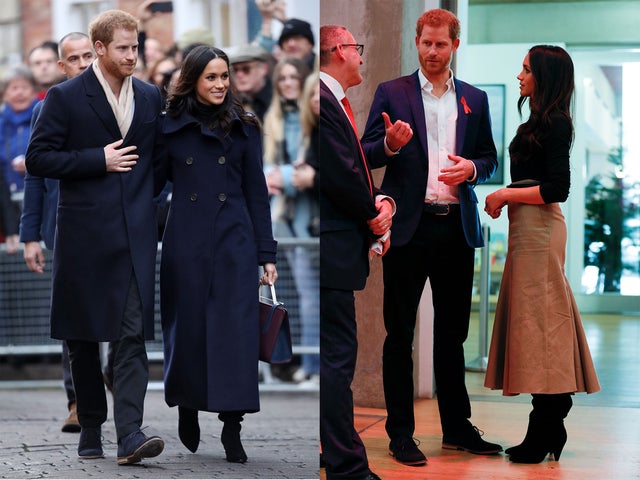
(123, 106)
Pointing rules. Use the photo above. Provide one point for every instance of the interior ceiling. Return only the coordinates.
(613, 73)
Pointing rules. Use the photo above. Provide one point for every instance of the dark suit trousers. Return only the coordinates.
(342, 448)
(66, 375)
(439, 252)
(130, 373)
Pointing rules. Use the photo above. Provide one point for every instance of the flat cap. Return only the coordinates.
(247, 53)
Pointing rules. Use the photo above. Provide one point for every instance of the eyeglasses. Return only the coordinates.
(243, 68)
(358, 46)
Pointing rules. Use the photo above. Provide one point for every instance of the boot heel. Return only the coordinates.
(560, 441)
(558, 449)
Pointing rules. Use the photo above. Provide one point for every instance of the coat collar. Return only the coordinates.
(185, 119)
(98, 102)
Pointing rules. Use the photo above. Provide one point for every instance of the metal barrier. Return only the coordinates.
(25, 298)
(480, 363)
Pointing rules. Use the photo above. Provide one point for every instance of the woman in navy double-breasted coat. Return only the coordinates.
(218, 232)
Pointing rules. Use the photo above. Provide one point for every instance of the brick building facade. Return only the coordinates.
(37, 24)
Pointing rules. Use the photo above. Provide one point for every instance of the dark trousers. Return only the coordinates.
(342, 448)
(130, 373)
(438, 252)
(66, 375)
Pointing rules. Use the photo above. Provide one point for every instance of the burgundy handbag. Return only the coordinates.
(275, 334)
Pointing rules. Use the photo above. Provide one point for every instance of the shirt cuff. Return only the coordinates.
(388, 151)
(388, 199)
(475, 174)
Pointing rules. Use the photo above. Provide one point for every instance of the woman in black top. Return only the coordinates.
(538, 344)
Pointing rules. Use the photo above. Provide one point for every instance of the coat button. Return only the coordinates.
(189, 161)
(193, 197)
(222, 160)
(222, 197)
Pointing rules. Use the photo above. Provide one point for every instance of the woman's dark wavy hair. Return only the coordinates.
(182, 95)
(552, 70)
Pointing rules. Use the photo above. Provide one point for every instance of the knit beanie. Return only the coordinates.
(293, 27)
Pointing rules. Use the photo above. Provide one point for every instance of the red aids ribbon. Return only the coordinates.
(467, 110)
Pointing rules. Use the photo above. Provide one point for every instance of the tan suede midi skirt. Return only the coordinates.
(538, 343)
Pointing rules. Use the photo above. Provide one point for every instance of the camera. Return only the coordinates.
(161, 7)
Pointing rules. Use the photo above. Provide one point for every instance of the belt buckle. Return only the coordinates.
(446, 209)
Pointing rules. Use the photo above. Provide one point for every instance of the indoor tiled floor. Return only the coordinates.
(604, 437)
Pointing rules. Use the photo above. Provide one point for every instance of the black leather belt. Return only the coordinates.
(440, 208)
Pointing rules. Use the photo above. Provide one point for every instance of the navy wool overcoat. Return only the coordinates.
(218, 232)
(106, 222)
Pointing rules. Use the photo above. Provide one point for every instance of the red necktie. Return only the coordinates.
(347, 107)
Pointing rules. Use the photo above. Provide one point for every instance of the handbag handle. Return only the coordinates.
(273, 293)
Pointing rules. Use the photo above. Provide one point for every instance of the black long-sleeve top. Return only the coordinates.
(549, 163)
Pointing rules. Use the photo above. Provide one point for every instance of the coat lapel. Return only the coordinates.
(141, 104)
(412, 92)
(461, 124)
(98, 102)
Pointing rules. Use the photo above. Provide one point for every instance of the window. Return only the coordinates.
(10, 34)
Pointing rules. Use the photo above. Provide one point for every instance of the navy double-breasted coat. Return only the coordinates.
(218, 232)
(106, 222)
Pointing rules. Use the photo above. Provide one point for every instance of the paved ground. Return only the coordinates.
(281, 440)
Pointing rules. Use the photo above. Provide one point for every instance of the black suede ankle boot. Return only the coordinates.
(188, 428)
(231, 437)
(546, 432)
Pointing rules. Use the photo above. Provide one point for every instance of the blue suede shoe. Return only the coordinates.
(90, 443)
(136, 446)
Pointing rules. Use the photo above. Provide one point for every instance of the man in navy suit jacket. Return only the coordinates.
(97, 133)
(352, 214)
(435, 230)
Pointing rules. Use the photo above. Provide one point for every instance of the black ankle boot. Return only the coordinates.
(536, 450)
(231, 437)
(188, 428)
(533, 431)
(546, 432)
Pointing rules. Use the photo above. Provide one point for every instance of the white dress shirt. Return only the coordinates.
(441, 115)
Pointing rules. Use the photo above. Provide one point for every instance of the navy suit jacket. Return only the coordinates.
(106, 222)
(38, 221)
(405, 178)
(346, 202)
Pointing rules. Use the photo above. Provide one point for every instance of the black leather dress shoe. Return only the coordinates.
(405, 450)
(470, 441)
(188, 428)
